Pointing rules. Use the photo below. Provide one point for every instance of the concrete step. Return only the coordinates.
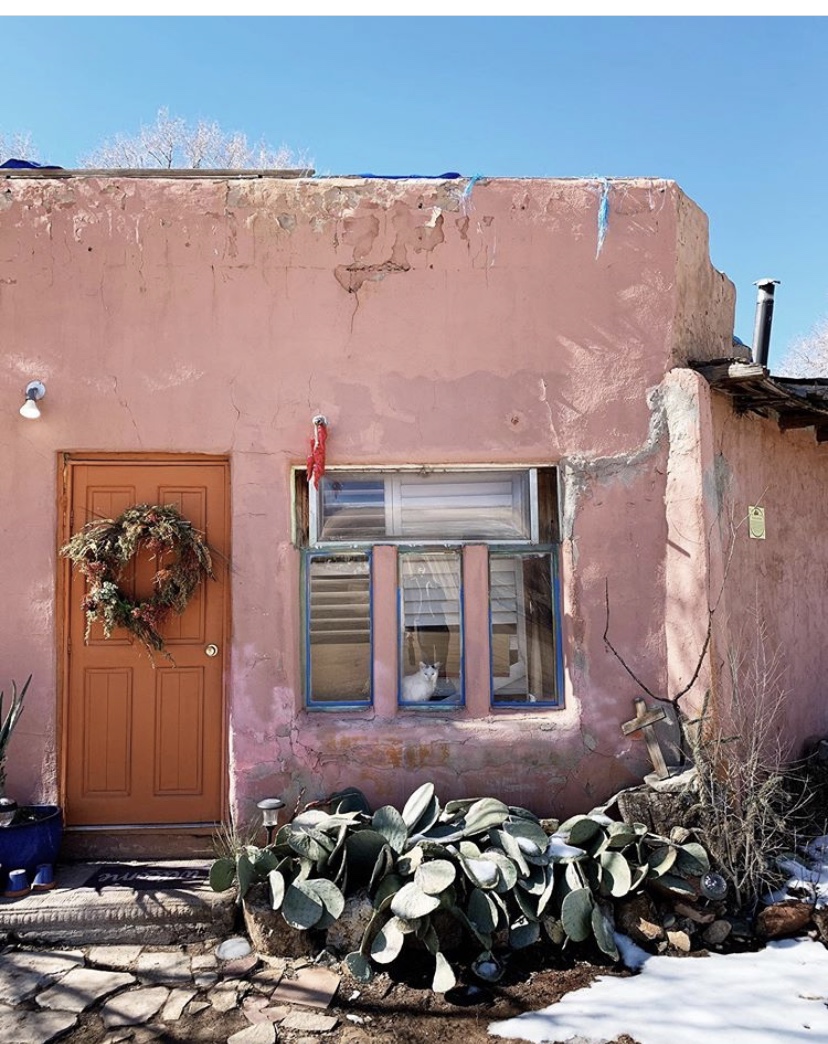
(77, 914)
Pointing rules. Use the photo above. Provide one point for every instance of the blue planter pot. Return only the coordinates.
(34, 838)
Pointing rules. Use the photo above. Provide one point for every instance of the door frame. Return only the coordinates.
(67, 461)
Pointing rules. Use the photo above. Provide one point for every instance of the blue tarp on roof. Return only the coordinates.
(19, 164)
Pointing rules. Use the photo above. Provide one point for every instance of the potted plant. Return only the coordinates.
(30, 835)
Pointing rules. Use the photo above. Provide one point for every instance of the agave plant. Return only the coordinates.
(7, 724)
(490, 867)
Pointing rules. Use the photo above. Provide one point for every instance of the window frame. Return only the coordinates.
(554, 577)
(311, 555)
(531, 471)
(544, 507)
(421, 549)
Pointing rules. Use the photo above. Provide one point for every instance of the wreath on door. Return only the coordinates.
(103, 549)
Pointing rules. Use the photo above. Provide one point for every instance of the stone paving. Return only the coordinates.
(118, 993)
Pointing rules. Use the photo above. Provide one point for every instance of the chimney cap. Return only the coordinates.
(765, 282)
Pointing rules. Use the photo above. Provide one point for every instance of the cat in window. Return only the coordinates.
(419, 687)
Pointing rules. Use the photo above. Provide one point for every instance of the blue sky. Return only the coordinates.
(735, 109)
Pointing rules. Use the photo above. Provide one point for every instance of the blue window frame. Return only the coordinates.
(338, 647)
(524, 628)
(430, 609)
(428, 515)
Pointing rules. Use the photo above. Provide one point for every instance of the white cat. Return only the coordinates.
(419, 687)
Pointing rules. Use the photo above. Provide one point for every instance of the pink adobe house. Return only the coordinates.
(517, 444)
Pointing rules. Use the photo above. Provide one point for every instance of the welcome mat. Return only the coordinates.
(147, 878)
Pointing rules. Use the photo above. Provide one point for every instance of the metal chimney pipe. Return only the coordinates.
(764, 319)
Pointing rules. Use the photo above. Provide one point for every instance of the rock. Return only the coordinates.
(134, 1008)
(81, 987)
(23, 972)
(261, 1033)
(265, 980)
(224, 998)
(820, 919)
(164, 968)
(269, 933)
(122, 958)
(230, 949)
(679, 834)
(239, 968)
(252, 1007)
(176, 1003)
(717, 932)
(34, 1027)
(345, 934)
(679, 941)
(636, 916)
(309, 1022)
(785, 918)
(660, 812)
(205, 980)
(312, 987)
(679, 780)
(692, 914)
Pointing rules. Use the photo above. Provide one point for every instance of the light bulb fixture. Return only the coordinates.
(269, 807)
(35, 390)
(8, 808)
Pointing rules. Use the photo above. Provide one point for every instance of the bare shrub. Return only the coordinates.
(748, 814)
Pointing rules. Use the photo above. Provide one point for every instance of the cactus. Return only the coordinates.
(388, 942)
(301, 907)
(487, 864)
(411, 901)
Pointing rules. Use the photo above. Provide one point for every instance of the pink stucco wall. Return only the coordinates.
(773, 617)
(218, 315)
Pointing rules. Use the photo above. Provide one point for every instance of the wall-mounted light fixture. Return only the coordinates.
(35, 391)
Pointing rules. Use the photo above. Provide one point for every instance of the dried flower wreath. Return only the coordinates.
(103, 549)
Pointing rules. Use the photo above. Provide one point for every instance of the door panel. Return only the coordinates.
(145, 735)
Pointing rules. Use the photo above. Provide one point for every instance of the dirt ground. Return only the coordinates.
(388, 1010)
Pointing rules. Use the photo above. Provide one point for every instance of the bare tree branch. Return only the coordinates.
(173, 142)
(808, 357)
(17, 146)
(620, 658)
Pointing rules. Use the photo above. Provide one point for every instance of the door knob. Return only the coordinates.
(211, 650)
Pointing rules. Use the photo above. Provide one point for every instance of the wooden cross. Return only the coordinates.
(644, 721)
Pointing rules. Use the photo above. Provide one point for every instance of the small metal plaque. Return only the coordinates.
(756, 523)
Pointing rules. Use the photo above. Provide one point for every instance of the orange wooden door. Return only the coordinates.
(144, 736)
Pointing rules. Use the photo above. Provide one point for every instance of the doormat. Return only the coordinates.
(147, 878)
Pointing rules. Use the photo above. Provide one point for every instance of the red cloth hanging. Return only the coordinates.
(316, 457)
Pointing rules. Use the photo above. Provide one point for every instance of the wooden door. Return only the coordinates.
(144, 736)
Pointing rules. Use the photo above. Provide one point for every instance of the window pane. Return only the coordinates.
(339, 630)
(471, 506)
(430, 618)
(352, 507)
(485, 505)
(524, 661)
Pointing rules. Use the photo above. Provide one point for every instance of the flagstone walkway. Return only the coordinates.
(119, 992)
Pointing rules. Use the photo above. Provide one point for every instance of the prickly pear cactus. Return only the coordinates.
(493, 869)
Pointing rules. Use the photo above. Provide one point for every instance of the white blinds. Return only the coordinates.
(403, 505)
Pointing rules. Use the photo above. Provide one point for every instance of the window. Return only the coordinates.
(338, 629)
(431, 656)
(523, 634)
(433, 522)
